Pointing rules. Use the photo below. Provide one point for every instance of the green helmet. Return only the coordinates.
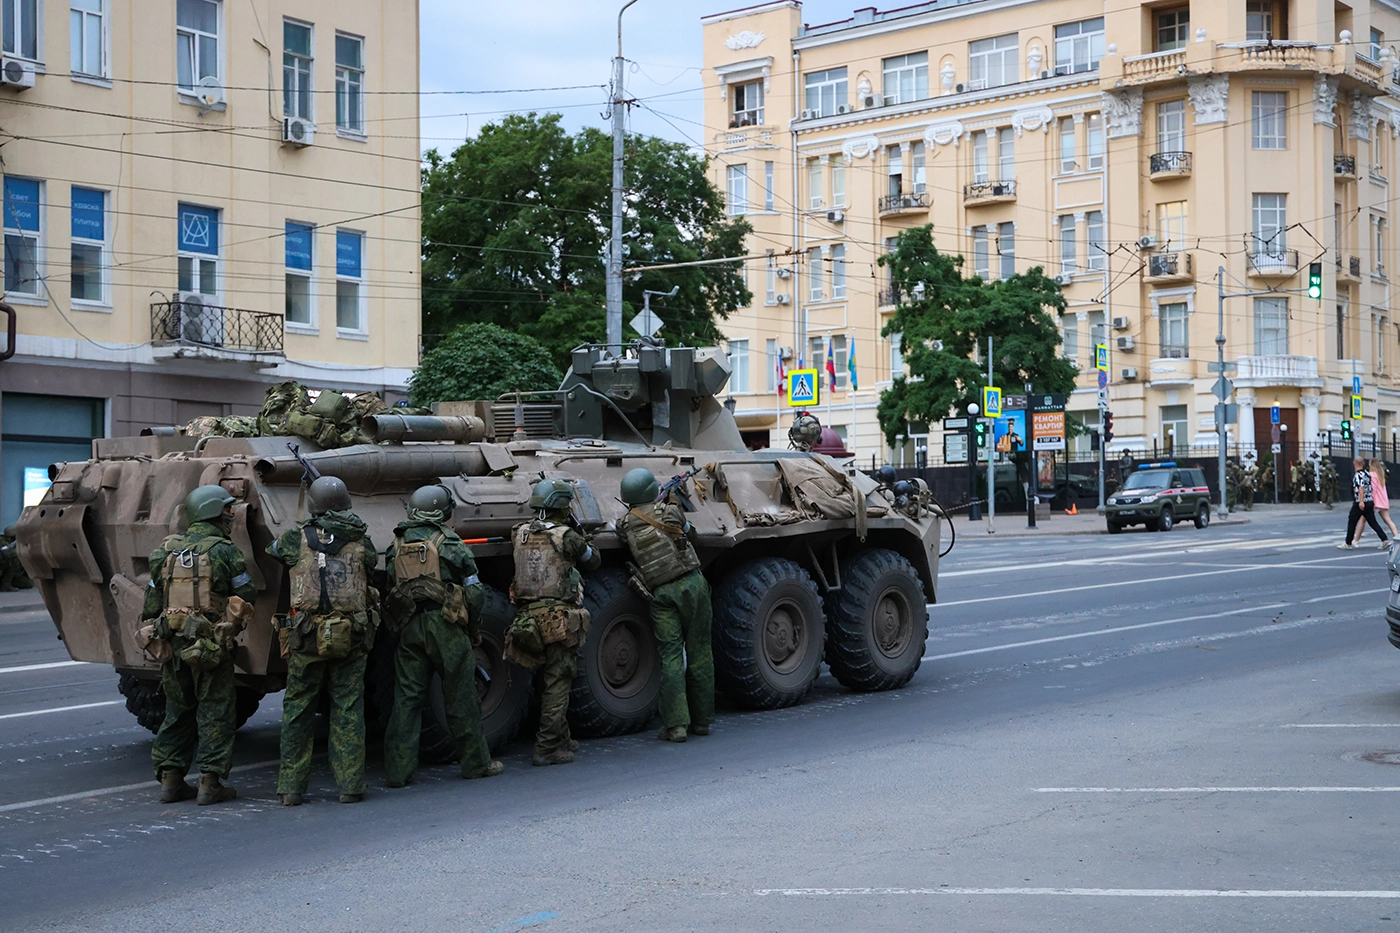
(806, 431)
(206, 503)
(432, 499)
(551, 494)
(327, 494)
(639, 487)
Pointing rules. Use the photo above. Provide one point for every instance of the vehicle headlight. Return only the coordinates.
(1150, 497)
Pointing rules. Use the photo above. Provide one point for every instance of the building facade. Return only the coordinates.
(1129, 150)
(201, 197)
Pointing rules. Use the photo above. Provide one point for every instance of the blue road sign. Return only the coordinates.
(1103, 379)
(1273, 414)
(804, 388)
(991, 402)
(1355, 385)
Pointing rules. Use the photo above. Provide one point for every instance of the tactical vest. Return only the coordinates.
(329, 575)
(188, 576)
(662, 553)
(541, 569)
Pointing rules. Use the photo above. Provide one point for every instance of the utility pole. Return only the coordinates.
(991, 454)
(619, 128)
(1220, 404)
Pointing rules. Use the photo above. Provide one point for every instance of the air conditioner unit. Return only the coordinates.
(1147, 242)
(843, 109)
(960, 88)
(17, 74)
(783, 299)
(1129, 372)
(871, 101)
(298, 132)
(1064, 69)
(977, 84)
(836, 217)
(785, 353)
(1124, 343)
(784, 273)
(1120, 323)
(808, 114)
(199, 322)
(1063, 278)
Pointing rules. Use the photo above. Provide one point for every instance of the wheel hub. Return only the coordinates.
(782, 636)
(618, 655)
(893, 624)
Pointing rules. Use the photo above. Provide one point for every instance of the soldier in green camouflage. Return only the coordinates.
(668, 573)
(550, 622)
(326, 639)
(195, 579)
(12, 575)
(434, 606)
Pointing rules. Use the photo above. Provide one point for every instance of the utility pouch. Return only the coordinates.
(398, 609)
(638, 585)
(175, 621)
(203, 654)
(284, 637)
(334, 637)
(157, 649)
(304, 425)
(525, 633)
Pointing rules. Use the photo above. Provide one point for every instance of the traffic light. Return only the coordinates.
(979, 430)
(1315, 280)
(1346, 430)
(1107, 426)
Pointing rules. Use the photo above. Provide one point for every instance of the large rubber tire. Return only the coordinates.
(618, 683)
(877, 623)
(1115, 528)
(769, 631)
(503, 703)
(1167, 520)
(146, 701)
(1202, 518)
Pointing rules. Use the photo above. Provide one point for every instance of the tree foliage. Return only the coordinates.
(516, 223)
(482, 361)
(942, 333)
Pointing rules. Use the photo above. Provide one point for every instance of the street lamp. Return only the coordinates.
(1154, 446)
(974, 512)
(1171, 441)
(1278, 459)
(1392, 443)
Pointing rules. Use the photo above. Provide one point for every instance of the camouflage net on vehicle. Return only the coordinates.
(330, 420)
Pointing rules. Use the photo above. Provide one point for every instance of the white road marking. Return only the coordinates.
(104, 791)
(1217, 790)
(1323, 599)
(1341, 725)
(39, 667)
(1153, 553)
(60, 709)
(1102, 586)
(1080, 892)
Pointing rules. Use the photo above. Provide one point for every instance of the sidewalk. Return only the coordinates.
(1087, 522)
(20, 601)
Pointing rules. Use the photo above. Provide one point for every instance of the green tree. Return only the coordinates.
(481, 361)
(944, 318)
(516, 224)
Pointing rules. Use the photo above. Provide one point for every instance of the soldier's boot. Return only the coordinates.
(491, 770)
(212, 790)
(561, 757)
(174, 787)
(671, 734)
(573, 745)
(698, 730)
(291, 800)
(351, 798)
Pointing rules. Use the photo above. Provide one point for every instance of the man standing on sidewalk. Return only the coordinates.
(1362, 505)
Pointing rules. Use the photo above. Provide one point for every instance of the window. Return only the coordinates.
(22, 28)
(1069, 336)
(839, 359)
(1069, 260)
(1380, 345)
(1173, 29)
(1270, 225)
(296, 69)
(1176, 427)
(738, 190)
(1377, 43)
(1341, 330)
(1378, 238)
(906, 78)
(1270, 128)
(838, 271)
(1094, 131)
(770, 281)
(88, 262)
(981, 171)
(1171, 126)
(1067, 157)
(918, 175)
(1098, 328)
(1006, 249)
(816, 288)
(894, 166)
(992, 62)
(23, 232)
(768, 186)
(1095, 251)
(1171, 226)
(748, 105)
(896, 356)
(299, 239)
(349, 83)
(838, 181)
(770, 356)
(826, 90)
(196, 40)
(1173, 319)
(1259, 20)
(1006, 154)
(816, 185)
(816, 354)
(198, 250)
(349, 281)
(87, 46)
(738, 366)
(981, 258)
(1078, 46)
(1271, 327)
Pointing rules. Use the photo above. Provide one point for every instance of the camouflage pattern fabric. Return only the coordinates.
(343, 680)
(12, 575)
(200, 719)
(556, 676)
(229, 426)
(681, 614)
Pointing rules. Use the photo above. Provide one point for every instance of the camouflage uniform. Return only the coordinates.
(12, 575)
(308, 673)
(681, 615)
(428, 643)
(199, 704)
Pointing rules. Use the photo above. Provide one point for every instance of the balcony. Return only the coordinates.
(989, 192)
(1158, 66)
(203, 331)
(888, 297)
(1260, 371)
(1169, 267)
(744, 136)
(1270, 262)
(1163, 165)
(1350, 271)
(1344, 167)
(903, 203)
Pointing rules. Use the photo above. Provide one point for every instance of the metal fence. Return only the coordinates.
(196, 324)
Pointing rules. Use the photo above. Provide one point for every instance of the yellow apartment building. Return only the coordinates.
(201, 197)
(1130, 149)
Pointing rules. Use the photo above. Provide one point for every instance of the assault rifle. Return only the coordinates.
(310, 473)
(676, 485)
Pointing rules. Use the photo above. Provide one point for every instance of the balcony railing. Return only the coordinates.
(888, 296)
(1344, 166)
(1169, 163)
(896, 203)
(210, 327)
(1169, 266)
(1279, 370)
(989, 191)
(1157, 66)
(1273, 261)
(1351, 267)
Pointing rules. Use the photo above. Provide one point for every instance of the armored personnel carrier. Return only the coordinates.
(810, 559)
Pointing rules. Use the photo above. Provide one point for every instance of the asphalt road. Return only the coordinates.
(1191, 731)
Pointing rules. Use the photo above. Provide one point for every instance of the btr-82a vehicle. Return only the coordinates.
(810, 559)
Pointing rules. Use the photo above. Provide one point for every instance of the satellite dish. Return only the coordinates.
(209, 91)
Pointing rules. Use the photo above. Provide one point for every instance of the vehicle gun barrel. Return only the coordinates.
(366, 466)
(396, 429)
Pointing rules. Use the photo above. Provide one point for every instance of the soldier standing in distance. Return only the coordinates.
(200, 597)
(326, 639)
(434, 605)
(550, 621)
(669, 571)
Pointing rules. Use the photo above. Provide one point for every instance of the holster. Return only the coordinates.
(638, 585)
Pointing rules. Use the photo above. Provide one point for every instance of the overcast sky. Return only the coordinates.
(474, 45)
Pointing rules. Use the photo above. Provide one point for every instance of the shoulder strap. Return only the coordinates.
(658, 525)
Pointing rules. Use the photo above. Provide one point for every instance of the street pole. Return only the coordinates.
(975, 509)
(1220, 405)
(1103, 461)
(1032, 493)
(619, 128)
(991, 454)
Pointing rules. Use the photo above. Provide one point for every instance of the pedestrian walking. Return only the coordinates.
(1362, 505)
(1380, 495)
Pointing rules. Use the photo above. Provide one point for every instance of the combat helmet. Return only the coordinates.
(639, 487)
(437, 498)
(806, 431)
(550, 495)
(327, 494)
(206, 503)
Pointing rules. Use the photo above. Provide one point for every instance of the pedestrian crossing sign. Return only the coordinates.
(1101, 357)
(804, 388)
(1356, 407)
(991, 402)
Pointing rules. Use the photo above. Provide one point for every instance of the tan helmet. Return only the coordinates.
(806, 431)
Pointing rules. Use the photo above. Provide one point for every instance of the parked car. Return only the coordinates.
(1156, 495)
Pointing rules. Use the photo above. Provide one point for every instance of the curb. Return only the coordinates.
(21, 607)
(1023, 532)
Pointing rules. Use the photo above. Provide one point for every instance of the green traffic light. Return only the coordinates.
(1315, 280)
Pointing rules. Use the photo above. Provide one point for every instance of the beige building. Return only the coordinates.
(201, 197)
(1129, 149)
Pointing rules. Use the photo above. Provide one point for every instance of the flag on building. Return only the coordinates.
(851, 361)
(780, 370)
(831, 363)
